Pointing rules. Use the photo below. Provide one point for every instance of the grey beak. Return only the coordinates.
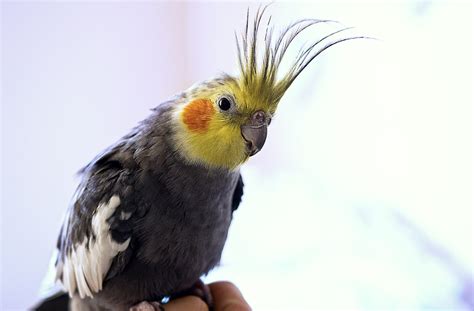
(255, 132)
(254, 137)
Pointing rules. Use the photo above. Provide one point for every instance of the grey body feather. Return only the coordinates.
(169, 218)
(179, 215)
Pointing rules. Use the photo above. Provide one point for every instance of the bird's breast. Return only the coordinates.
(184, 232)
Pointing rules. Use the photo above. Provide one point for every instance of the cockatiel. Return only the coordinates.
(152, 212)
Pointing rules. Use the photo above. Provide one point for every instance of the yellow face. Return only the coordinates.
(224, 121)
(214, 124)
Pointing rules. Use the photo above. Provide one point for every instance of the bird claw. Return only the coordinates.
(147, 306)
(199, 289)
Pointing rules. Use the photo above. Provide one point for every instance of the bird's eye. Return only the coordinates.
(224, 103)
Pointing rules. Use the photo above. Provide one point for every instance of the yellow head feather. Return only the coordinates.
(213, 137)
(259, 79)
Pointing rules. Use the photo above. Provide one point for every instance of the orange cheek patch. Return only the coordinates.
(198, 114)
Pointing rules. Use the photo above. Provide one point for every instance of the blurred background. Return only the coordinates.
(360, 200)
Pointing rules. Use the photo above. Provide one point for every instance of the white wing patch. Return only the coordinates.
(85, 267)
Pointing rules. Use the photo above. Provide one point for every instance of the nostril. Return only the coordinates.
(259, 117)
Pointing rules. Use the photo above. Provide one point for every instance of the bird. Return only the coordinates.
(152, 212)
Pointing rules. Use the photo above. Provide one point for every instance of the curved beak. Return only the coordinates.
(255, 133)
(255, 137)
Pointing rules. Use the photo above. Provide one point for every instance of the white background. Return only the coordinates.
(362, 196)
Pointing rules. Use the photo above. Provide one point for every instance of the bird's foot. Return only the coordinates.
(200, 290)
(147, 306)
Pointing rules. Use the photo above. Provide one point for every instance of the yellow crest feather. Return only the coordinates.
(261, 81)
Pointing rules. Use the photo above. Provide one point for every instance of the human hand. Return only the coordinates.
(226, 297)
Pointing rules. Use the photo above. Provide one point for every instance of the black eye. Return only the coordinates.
(224, 103)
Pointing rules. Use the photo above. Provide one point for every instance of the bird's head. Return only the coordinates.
(224, 121)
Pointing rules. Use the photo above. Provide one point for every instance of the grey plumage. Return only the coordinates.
(173, 216)
(148, 218)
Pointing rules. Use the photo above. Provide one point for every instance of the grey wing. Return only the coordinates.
(97, 227)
